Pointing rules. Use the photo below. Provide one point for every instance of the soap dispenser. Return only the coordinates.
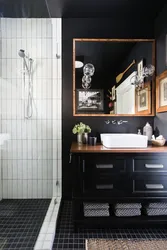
(147, 130)
(139, 132)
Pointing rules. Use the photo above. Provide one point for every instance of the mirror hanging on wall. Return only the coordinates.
(116, 78)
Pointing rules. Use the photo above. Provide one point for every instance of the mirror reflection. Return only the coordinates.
(113, 77)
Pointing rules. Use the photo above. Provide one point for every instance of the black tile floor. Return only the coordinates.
(20, 222)
(66, 239)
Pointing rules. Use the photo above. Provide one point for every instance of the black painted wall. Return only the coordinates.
(94, 28)
(160, 120)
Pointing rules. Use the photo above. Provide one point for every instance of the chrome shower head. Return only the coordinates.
(21, 53)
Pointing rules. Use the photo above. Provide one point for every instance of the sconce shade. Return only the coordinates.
(79, 62)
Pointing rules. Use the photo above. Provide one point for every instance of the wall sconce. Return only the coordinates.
(79, 62)
(88, 71)
(138, 79)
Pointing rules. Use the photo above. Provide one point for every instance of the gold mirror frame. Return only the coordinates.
(152, 111)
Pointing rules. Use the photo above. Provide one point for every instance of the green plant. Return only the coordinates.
(81, 128)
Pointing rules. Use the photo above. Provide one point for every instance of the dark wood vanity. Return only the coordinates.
(118, 175)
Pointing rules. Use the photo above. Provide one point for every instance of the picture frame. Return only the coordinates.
(166, 49)
(140, 69)
(143, 100)
(113, 93)
(91, 100)
(161, 92)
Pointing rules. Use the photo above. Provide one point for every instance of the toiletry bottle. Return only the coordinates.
(147, 130)
(139, 132)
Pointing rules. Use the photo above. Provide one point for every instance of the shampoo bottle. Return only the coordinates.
(147, 130)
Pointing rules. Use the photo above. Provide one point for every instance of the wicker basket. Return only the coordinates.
(158, 143)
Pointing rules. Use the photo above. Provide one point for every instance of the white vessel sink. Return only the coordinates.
(124, 140)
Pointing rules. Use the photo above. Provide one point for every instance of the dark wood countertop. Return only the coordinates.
(83, 148)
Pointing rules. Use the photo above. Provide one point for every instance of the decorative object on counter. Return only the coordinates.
(138, 80)
(119, 77)
(82, 131)
(158, 141)
(88, 71)
(143, 100)
(92, 141)
(91, 100)
(147, 130)
(161, 92)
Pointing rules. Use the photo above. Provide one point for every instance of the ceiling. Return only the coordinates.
(124, 9)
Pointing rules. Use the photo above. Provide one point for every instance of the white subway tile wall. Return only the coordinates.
(32, 160)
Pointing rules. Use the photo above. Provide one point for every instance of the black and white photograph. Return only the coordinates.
(163, 92)
(143, 99)
(90, 100)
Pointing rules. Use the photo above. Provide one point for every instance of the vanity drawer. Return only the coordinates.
(116, 185)
(101, 165)
(150, 164)
(150, 185)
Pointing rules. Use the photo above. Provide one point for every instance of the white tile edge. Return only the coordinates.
(49, 226)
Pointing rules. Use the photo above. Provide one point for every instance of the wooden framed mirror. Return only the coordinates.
(105, 73)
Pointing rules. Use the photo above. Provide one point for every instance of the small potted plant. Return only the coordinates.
(82, 131)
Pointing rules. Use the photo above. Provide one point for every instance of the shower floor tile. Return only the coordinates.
(66, 239)
(20, 222)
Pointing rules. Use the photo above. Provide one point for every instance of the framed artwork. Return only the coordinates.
(161, 92)
(113, 93)
(166, 50)
(89, 100)
(140, 69)
(143, 100)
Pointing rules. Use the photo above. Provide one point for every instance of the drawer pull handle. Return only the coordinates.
(104, 186)
(154, 166)
(154, 186)
(102, 166)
